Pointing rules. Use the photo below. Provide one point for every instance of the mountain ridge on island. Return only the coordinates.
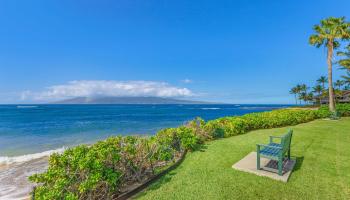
(127, 100)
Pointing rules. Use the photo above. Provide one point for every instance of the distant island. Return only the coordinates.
(127, 100)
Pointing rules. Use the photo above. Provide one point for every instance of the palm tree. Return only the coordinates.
(302, 96)
(338, 84)
(309, 97)
(299, 90)
(304, 88)
(303, 92)
(345, 62)
(295, 91)
(328, 34)
(346, 79)
(322, 80)
(318, 89)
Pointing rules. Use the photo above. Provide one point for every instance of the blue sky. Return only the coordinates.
(225, 51)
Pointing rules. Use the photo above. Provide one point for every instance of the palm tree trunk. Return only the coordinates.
(330, 81)
(319, 99)
(296, 100)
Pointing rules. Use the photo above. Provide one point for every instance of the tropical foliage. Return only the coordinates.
(302, 92)
(345, 60)
(329, 33)
(103, 170)
(342, 109)
(346, 80)
(322, 81)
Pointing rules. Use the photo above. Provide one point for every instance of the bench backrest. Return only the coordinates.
(286, 140)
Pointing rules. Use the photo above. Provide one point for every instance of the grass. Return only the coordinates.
(322, 150)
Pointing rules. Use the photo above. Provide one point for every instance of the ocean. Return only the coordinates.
(30, 129)
(29, 133)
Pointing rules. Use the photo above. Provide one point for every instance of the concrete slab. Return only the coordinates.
(269, 167)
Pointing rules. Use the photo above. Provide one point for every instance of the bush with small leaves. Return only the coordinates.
(102, 170)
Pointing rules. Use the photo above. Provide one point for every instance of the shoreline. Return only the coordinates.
(8, 160)
(15, 170)
(14, 177)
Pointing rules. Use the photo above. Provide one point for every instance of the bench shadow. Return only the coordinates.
(299, 163)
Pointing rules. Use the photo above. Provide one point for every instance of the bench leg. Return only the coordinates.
(258, 161)
(280, 165)
(288, 154)
(258, 157)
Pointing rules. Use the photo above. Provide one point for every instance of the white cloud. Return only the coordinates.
(186, 80)
(92, 88)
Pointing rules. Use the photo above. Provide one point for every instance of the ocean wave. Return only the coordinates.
(210, 108)
(25, 158)
(27, 106)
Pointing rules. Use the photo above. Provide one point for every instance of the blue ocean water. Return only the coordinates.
(28, 129)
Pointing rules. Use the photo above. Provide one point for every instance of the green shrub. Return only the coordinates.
(343, 110)
(100, 171)
(197, 127)
(97, 171)
(226, 127)
(168, 143)
(214, 130)
(81, 171)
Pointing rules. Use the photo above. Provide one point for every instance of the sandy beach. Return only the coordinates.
(14, 183)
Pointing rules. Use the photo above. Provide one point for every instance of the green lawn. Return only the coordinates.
(322, 149)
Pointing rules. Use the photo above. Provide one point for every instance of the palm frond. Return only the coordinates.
(330, 29)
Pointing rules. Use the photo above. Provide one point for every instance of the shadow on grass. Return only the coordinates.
(169, 175)
(157, 184)
(299, 163)
(201, 147)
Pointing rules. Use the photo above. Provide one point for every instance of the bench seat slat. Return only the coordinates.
(270, 152)
(275, 145)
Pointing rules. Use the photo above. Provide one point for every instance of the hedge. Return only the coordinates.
(103, 170)
(342, 109)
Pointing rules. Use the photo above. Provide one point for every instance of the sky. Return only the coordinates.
(221, 51)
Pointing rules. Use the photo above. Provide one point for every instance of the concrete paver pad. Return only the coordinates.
(269, 167)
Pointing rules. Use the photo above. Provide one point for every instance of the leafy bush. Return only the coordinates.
(279, 118)
(197, 127)
(343, 110)
(80, 172)
(97, 171)
(227, 126)
(189, 140)
(102, 170)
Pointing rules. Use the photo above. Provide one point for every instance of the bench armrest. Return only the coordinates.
(272, 137)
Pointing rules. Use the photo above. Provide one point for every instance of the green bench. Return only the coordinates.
(275, 151)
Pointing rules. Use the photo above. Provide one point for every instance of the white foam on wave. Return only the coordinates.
(210, 108)
(27, 106)
(25, 158)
